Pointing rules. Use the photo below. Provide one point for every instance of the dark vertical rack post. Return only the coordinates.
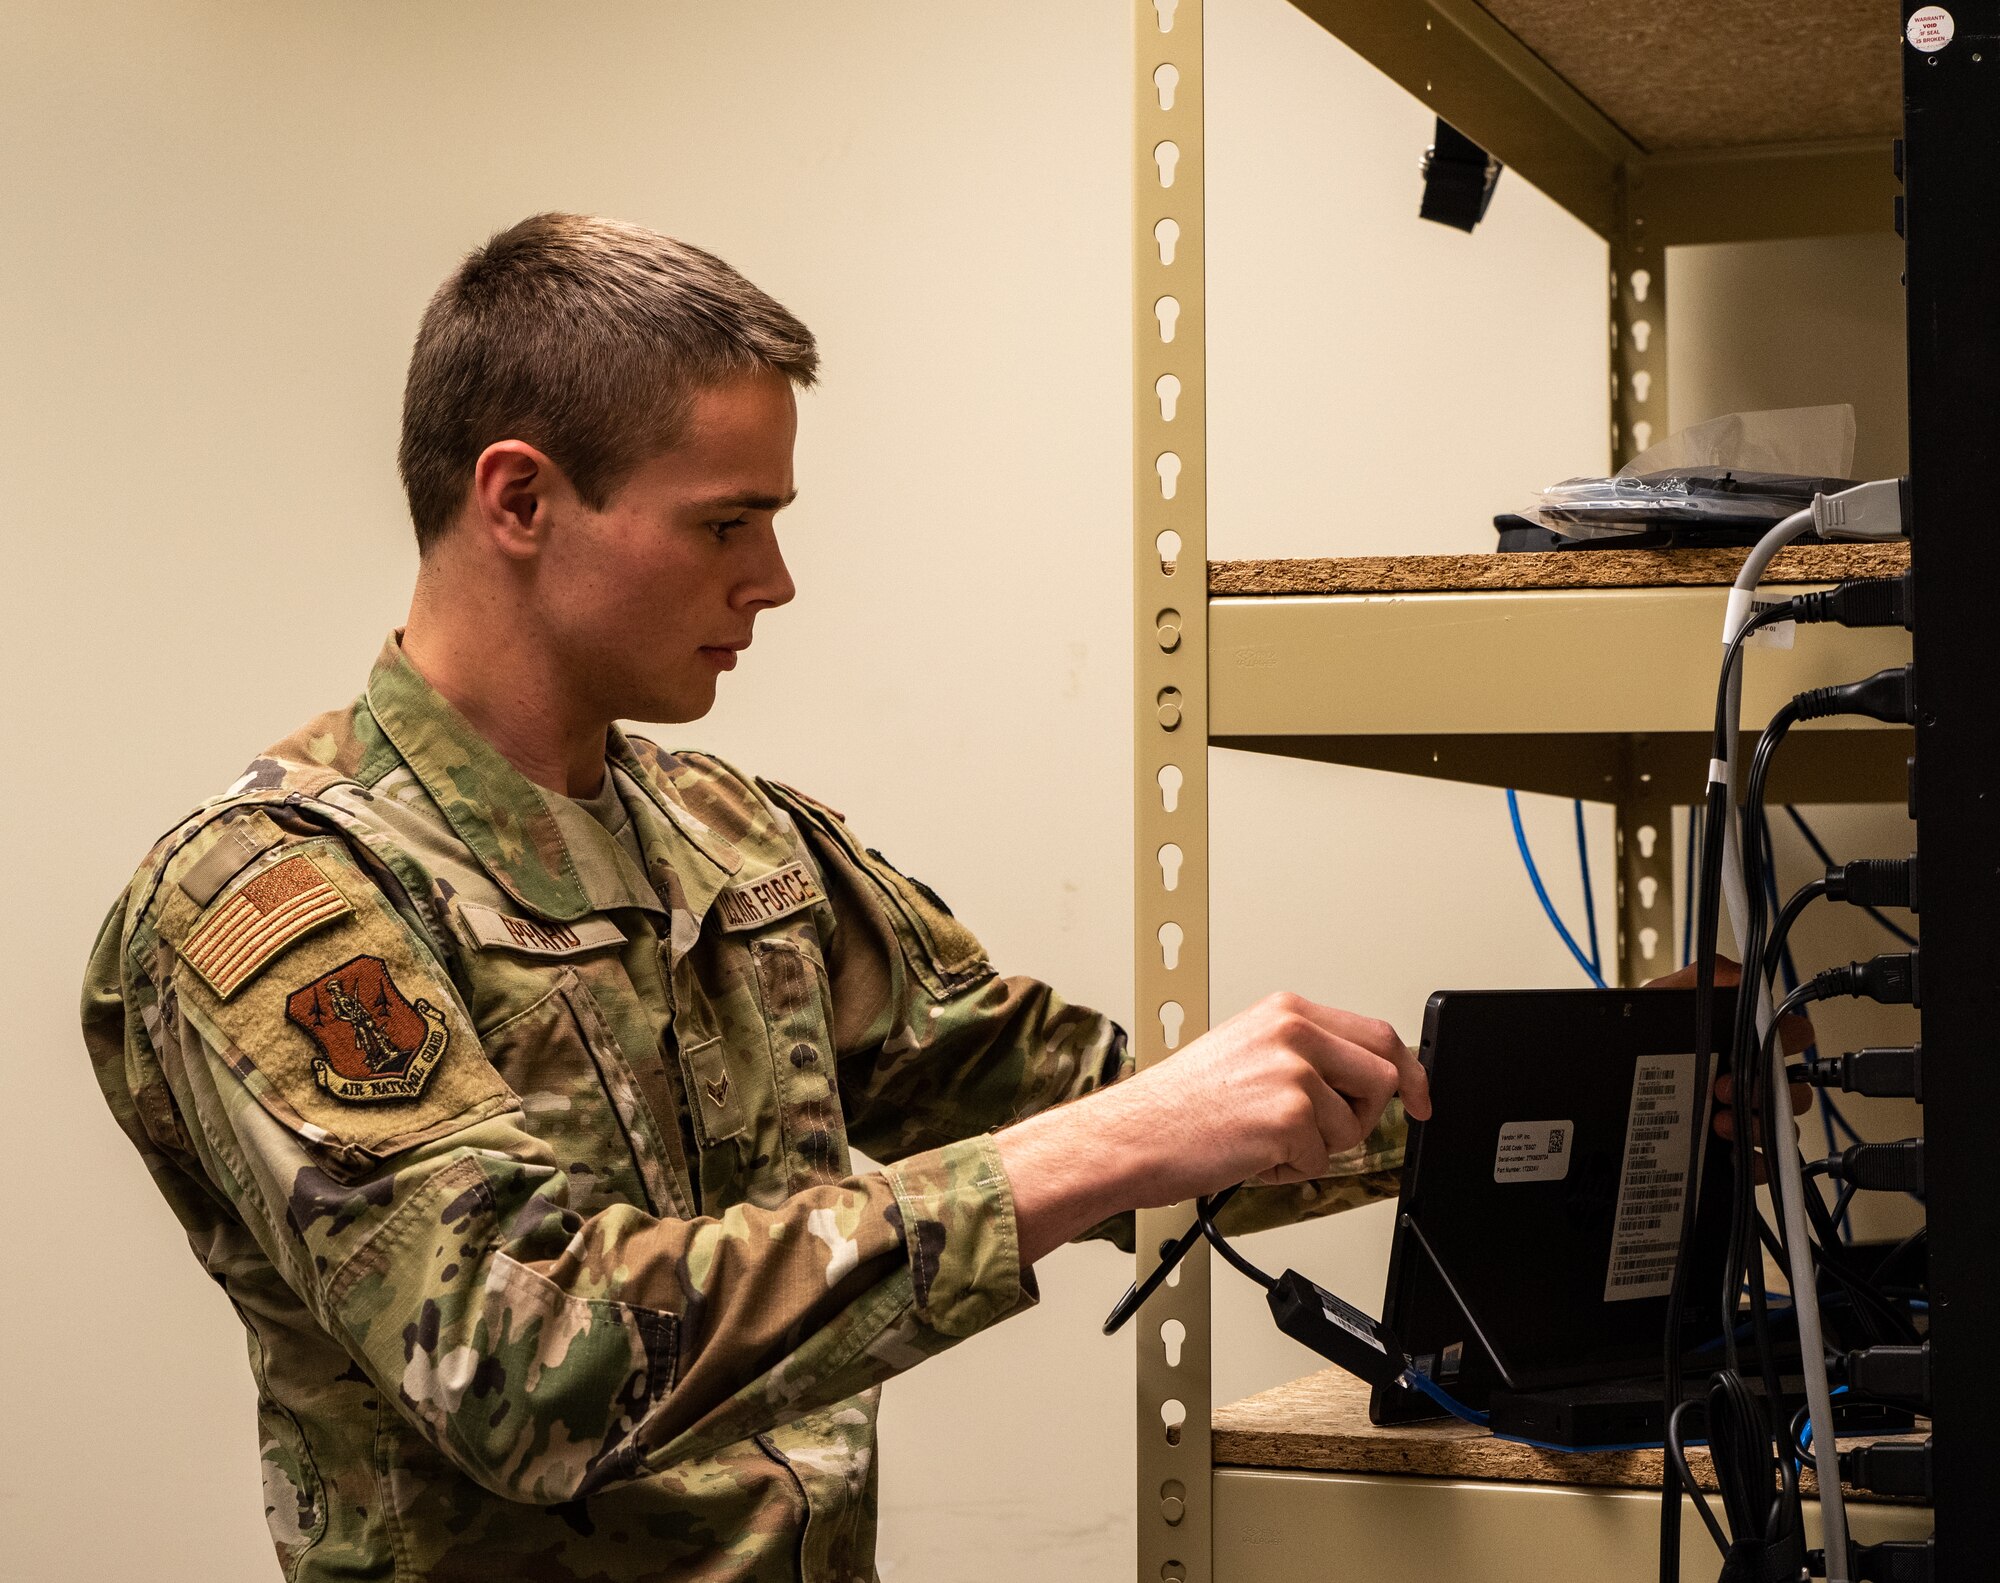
(1951, 110)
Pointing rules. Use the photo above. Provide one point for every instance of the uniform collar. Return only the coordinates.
(544, 851)
(686, 860)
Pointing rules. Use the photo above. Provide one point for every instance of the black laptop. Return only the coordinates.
(1545, 1197)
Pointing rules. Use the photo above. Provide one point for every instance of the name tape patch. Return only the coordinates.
(761, 901)
(278, 906)
(492, 930)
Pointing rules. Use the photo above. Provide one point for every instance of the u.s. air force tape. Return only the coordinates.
(749, 904)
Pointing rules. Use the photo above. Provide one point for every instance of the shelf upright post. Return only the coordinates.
(1951, 122)
(1170, 679)
(1645, 848)
(1639, 417)
(1638, 322)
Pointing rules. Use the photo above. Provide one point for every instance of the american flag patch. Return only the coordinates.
(287, 900)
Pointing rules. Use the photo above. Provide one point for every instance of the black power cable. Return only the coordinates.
(1887, 695)
(1748, 1084)
(1759, 1487)
(1708, 902)
(1205, 1211)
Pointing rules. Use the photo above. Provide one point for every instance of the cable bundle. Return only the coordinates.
(1755, 1470)
(1764, 1541)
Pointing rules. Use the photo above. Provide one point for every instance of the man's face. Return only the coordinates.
(649, 600)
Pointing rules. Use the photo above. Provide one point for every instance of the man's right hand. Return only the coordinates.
(1269, 1096)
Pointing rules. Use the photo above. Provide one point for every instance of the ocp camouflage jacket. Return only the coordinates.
(528, 1171)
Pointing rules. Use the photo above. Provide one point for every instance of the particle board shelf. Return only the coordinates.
(1455, 574)
(1569, 673)
(1305, 1489)
(1320, 1423)
(1706, 122)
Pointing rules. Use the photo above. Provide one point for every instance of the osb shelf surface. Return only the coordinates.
(1320, 1424)
(1709, 74)
(1445, 574)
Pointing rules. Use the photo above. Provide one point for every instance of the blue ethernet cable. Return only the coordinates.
(1590, 968)
(1589, 901)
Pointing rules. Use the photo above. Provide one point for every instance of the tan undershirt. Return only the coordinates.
(608, 809)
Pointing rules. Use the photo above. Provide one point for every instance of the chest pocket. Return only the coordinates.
(756, 1044)
(579, 1096)
(790, 977)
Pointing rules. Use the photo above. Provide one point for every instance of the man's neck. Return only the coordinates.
(508, 692)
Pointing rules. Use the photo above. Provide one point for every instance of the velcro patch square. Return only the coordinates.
(286, 901)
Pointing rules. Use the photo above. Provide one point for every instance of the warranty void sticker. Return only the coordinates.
(1930, 29)
(1533, 1151)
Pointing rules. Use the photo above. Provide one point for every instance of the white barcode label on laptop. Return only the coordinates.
(1646, 1232)
(1533, 1151)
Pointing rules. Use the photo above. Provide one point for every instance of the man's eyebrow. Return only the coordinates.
(747, 502)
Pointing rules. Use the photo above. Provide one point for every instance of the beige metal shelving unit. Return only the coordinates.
(1656, 127)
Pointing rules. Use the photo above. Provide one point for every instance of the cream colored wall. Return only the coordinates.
(1793, 324)
(220, 224)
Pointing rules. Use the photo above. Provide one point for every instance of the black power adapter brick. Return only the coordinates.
(1336, 1330)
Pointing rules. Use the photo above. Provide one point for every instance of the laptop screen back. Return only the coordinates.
(1549, 1185)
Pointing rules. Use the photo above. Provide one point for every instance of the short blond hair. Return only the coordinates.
(585, 338)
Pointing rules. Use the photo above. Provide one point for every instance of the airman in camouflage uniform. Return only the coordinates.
(518, 1129)
(596, 1293)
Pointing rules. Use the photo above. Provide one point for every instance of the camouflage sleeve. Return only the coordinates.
(324, 1079)
(933, 1044)
(1369, 1171)
(937, 1046)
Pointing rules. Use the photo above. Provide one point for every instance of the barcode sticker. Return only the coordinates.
(1646, 1232)
(1533, 1151)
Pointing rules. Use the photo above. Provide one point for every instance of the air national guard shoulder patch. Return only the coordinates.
(286, 901)
(752, 903)
(374, 1043)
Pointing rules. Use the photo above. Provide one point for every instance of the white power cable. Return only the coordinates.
(1868, 511)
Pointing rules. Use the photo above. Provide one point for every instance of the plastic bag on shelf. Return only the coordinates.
(1734, 475)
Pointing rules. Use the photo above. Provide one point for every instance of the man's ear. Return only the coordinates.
(514, 487)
